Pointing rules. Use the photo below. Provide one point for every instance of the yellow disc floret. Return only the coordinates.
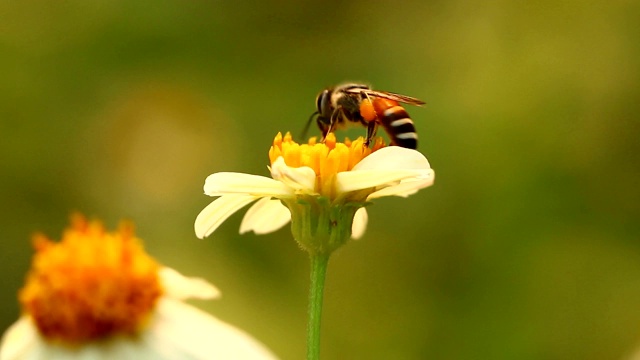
(90, 285)
(326, 158)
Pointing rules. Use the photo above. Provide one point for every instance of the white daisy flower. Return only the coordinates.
(97, 295)
(333, 179)
(322, 188)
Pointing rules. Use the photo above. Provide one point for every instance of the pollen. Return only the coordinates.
(325, 158)
(367, 110)
(90, 285)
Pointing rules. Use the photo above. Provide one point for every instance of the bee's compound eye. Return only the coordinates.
(367, 110)
(323, 101)
(318, 98)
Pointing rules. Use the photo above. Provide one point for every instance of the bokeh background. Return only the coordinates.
(527, 246)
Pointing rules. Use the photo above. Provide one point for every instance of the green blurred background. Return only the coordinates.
(527, 246)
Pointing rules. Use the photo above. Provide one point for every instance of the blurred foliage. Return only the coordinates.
(526, 247)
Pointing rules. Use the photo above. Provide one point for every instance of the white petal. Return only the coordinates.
(405, 187)
(224, 183)
(393, 158)
(23, 342)
(364, 179)
(20, 341)
(176, 331)
(265, 216)
(301, 178)
(360, 220)
(385, 167)
(218, 211)
(178, 286)
(182, 331)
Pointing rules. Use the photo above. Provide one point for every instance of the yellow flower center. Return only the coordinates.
(326, 159)
(91, 284)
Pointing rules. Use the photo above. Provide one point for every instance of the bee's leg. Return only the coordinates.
(323, 126)
(365, 95)
(372, 129)
(332, 123)
(371, 124)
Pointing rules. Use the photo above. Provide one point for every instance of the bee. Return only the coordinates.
(347, 104)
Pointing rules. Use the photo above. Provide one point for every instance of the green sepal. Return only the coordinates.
(319, 225)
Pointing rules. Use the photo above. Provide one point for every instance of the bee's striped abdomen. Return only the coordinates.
(396, 121)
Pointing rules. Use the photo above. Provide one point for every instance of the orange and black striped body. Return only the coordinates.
(358, 104)
(393, 118)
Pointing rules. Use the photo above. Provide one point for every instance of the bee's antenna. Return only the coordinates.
(303, 134)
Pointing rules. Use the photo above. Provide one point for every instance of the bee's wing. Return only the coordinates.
(387, 95)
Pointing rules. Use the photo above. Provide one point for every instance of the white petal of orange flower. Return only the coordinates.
(225, 183)
(180, 287)
(265, 216)
(302, 178)
(359, 226)
(181, 331)
(387, 167)
(218, 211)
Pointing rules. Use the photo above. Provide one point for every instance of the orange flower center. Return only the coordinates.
(326, 159)
(90, 285)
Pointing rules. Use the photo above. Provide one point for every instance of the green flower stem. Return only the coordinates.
(316, 291)
(320, 226)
